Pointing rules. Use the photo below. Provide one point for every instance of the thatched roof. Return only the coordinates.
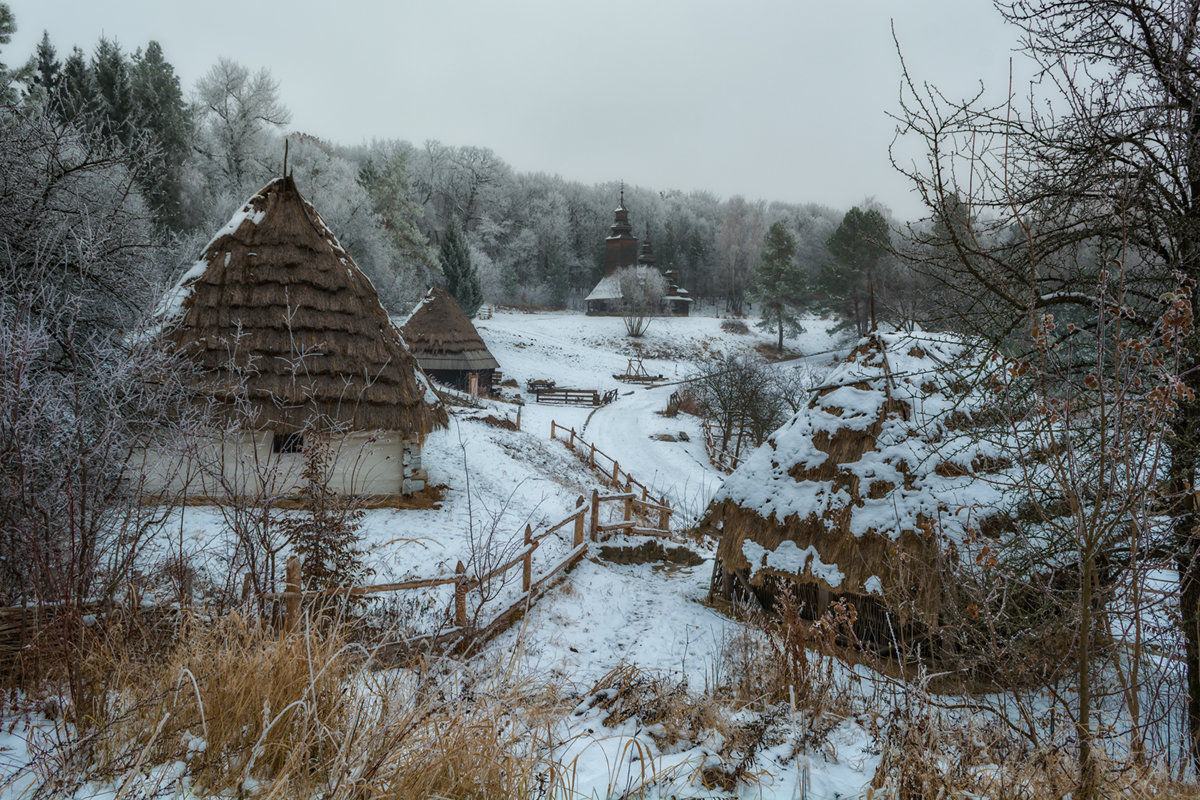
(442, 337)
(869, 486)
(276, 313)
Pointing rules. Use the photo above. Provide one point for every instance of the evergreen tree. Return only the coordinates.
(47, 66)
(849, 282)
(390, 189)
(462, 281)
(114, 90)
(158, 112)
(325, 534)
(77, 99)
(779, 282)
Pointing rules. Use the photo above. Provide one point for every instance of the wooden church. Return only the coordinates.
(621, 250)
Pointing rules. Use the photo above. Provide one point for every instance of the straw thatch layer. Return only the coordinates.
(442, 337)
(279, 317)
(866, 490)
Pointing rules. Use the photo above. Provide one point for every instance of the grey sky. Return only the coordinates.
(781, 100)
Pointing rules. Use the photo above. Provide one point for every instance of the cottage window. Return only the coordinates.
(288, 443)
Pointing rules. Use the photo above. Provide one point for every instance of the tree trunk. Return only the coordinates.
(1185, 455)
(779, 319)
(1083, 726)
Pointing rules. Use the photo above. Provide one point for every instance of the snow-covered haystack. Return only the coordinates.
(865, 491)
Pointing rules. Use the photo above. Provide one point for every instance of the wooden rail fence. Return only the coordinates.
(720, 458)
(611, 471)
(574, 397)
(585, 519)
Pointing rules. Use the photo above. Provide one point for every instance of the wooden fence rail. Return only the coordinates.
(596, 459)
(720, 458)
(532, 587)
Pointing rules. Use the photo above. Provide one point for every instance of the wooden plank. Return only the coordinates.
(613, 526)
(621, 496)
(650, 531)
(571, 559)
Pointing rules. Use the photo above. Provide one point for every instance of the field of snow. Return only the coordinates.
(602, 616)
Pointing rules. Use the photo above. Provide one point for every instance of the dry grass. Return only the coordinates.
(241, 711)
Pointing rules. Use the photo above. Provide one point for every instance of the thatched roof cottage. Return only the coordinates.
(863, 493)
(293, 347)
(447, 346)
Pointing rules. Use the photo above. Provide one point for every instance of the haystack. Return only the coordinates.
(447, 346)
(864, 493)
(290, 340)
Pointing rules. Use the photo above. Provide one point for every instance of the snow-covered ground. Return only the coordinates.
(602, 615)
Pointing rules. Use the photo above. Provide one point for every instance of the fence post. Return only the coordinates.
(664, 516)
(552, 426)
(460, 596)
(629, 510)
(291, 613)
(592, 458)
(527, 561)
(572, 438)
(616, 472)
(578, 538)
(595, 532)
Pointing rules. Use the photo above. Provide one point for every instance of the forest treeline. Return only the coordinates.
(534, 238)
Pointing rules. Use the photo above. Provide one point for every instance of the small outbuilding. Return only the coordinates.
(447, 345)
(291, 350)
(864, 492)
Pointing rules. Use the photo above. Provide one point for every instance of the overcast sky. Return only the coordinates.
(779, 100)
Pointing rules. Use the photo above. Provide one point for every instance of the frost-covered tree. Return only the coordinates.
(642, 290)
(779, 282)
(237, 110)
(114, 89)
(385, 176)
(738, 243)
(78, 273)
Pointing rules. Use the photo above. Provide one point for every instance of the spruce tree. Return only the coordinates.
(78, 99)
(115, 90)
(48, 68)
(778, 282)
(462, 281)
(158, 112)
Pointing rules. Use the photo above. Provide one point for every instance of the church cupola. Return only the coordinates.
(621, 246)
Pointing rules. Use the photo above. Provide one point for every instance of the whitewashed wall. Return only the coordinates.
(243, 464)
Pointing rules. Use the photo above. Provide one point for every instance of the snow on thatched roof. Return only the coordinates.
(875, 466)
(442, 337)
(277, 312)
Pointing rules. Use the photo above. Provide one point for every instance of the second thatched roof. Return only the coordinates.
(286, 329)
(442, 337)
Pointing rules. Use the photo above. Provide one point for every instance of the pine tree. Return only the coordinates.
(325, 534)
(78, 99)
(779, 282)
(390, 187)
(113, 86)
(857, 246)
(47, 67)
(462, 281)
(158, 111)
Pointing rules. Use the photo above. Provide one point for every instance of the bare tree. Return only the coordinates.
(236, 109)
(642, 291)
(1031, 210)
